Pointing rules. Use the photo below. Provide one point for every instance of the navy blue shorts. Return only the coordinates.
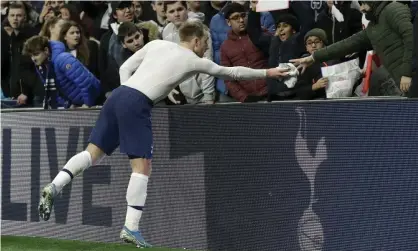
(125, 120)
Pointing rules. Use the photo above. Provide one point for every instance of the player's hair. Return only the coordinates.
(127, 29)
(35, 45)
(191, 29)
(167, 3)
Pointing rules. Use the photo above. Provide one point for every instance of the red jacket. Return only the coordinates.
(240, 51)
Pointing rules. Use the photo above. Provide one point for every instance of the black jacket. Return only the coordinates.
(13, 46)
(335, 30)
(303, 87)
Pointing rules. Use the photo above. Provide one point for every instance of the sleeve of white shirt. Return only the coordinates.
(203, 65)
(131, 65)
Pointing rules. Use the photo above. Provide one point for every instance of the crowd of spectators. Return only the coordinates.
(67, 53)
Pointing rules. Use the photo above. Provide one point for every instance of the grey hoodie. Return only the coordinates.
(201, 87)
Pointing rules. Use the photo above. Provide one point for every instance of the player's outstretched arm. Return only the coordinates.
(238, 73)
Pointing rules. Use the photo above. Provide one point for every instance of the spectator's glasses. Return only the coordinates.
(316, 42)
(130, 41)
(236, 17)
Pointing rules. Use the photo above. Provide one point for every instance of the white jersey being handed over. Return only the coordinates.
(162, 65)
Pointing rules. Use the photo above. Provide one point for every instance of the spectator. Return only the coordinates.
(389, 33)
(310, 84)
(219, 32)
(69, 12)
(86, 51)
(211, 8)
(193, 6)
(74, 82)
(199, 89)
(95, 16)
(32, 17)
(151, 26)
(159, 17)
(339, 26)
(287, 42)
(48, 11)
(15, 32)
(55, 5)
(340, 21)
(122, 11)
(132, 39)
(238, 50)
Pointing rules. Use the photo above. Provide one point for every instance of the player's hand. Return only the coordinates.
(277, 72)
(303, 63)
(321, 83)
(171, 97)
(405, 84)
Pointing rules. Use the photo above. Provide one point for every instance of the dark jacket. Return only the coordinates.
(390, 36)
(93, 65)
(335, 30)
(303, 87)
(240, 51)
(10, 83)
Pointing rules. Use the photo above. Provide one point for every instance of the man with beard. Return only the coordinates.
(389, 33)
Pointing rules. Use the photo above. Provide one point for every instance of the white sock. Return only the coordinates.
(135, 196)
(76, 165)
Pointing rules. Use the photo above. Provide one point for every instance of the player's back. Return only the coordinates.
(164, 65)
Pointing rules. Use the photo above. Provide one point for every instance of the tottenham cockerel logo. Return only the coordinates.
(310, 231)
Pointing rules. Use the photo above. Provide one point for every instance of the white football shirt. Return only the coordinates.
(161, 66)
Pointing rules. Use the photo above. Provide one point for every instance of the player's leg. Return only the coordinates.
(104, 139)
(137, 191)
(75, 166)
(136, 141)
(136, 195)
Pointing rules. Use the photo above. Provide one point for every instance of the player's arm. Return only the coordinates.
(202, 65)
(131, 65)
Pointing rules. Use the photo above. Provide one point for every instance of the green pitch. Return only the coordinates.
(13, 243)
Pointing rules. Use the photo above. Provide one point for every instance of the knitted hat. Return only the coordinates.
(290, 20)
(320, 33)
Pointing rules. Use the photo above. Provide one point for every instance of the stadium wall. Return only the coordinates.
(336, 175)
